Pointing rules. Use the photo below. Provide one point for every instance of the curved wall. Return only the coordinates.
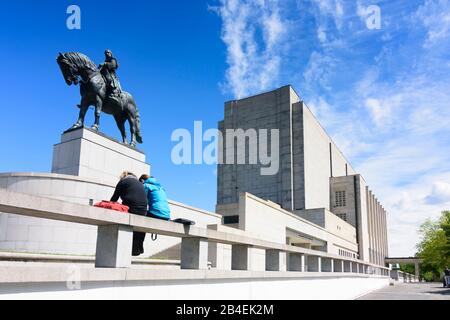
(35, 235)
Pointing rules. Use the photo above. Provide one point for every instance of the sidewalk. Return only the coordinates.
(410, 291)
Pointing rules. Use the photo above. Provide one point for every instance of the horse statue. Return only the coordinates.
(79, 69)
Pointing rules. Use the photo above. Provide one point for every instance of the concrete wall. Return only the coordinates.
(307, 288)
(320, 165)
(355, 209)
(330, 222)
(344, 184)
(377, 225)
(28, 234)
(267, 221)
(270, 110)
(363, 218)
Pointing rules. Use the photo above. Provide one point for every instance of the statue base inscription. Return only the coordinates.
(89, 154)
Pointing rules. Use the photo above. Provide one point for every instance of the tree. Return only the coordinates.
(445, 225)
(434, 246)
(407, 268)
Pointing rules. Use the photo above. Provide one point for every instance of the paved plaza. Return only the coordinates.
(410, 291)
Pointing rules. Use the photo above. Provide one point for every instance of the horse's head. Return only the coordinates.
(68, 69)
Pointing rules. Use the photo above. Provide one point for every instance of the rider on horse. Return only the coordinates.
(108, 70)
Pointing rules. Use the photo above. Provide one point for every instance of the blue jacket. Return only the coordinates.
(157, 199)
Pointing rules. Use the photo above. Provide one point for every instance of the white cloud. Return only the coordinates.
(394, 127)
(332, 8)
(254, 62)
(435, 16)
(318, 70)
(361, 11)
(439, 194)
(409, 210)
(378, 112)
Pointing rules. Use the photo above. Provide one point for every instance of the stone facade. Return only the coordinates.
(271, 110)
(314, 173)
(308, 156)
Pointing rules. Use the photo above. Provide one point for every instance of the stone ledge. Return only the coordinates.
(33, 257)
(44, 274)
(54, 176)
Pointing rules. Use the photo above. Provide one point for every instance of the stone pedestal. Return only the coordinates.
(89, 154)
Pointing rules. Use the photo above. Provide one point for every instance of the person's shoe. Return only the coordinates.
(136, 253)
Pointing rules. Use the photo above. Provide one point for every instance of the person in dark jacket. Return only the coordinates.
(446, 277)
(158, 205)
(133, 195)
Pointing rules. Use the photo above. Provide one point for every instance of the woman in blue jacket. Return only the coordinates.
(158, 206)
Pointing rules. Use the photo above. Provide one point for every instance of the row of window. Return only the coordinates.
(347, 254)
(340, 199)
(343, 216)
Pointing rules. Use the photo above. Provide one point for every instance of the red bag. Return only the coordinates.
(112, 206)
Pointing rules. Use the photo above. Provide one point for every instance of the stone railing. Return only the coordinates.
(115, 233)
(401, 276)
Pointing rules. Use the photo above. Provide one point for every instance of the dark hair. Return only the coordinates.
(144, 177)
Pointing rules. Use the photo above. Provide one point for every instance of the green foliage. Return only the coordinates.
(428, 276)
(434, 247)
(445, 225)
(408, 268)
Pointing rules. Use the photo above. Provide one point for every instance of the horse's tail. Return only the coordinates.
(138, 123)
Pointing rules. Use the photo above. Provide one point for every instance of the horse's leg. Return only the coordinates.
(98, 112)
(132, 122)
(120, 120)
(84, 106)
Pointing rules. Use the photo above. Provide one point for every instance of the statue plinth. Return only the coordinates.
(89, 154)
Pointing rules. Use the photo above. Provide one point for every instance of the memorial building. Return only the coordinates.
(314, 181)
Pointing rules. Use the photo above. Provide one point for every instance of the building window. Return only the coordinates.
(231, 220)
(340, 199)
(343, 216)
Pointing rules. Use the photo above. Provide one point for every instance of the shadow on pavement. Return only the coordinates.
(440, 290)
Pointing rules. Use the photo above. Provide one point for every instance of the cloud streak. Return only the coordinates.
(400, 112)
(253, 33)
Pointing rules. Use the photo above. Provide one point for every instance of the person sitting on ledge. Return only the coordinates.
(158, 206)
(133, 195)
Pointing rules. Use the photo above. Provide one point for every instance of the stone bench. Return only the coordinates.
(115, 234)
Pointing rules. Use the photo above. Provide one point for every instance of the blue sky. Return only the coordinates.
(383, 95)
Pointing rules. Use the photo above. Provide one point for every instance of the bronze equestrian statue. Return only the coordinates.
(101, 88)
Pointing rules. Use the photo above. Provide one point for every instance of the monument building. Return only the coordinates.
(314, 178)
